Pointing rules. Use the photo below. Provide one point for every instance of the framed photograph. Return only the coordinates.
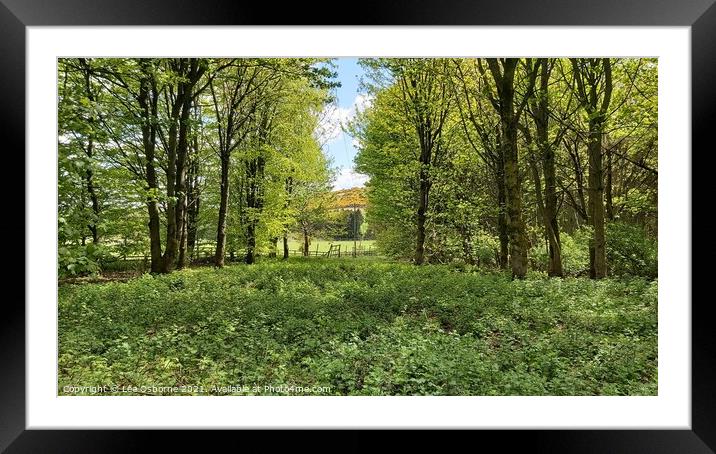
(419, 216)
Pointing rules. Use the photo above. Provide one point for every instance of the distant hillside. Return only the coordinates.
(350, 198)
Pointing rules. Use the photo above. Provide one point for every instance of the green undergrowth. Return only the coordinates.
(358, 327)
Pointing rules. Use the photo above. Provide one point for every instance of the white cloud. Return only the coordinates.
(330, 125)
(334, 118)
(348, 178)
(362, 102)
(355, 142)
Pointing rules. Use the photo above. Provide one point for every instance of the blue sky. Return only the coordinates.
(339, 146)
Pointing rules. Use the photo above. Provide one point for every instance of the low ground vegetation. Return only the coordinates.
(362, 327)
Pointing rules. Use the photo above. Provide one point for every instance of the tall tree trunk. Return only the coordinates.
(147, 100)
(181, 177)
(538, 196)
(549, 209)
(192, 226)
(89, 151)
(551, 216)
(190, 72)
(502, 215)
(181, 259)
(594, 88)
(422, 214)
(223, 206)
(597, 246)
(193, 198)
(583, 207)
(504, 79)
(155, 239)
(516, 227)
(171, 211)
(89, 179)
(254, 203)
(289, 191)
(426, 103)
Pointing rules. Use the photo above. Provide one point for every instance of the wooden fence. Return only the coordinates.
(205, 252)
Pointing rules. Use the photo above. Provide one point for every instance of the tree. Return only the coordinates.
(593, 88)
(388, 154)
(540, 110)
(503, 71)
(261, 106)
(482, 131)
(78, 112)
(311, 201)
(470, 160)
(424, 99)
(236, 95)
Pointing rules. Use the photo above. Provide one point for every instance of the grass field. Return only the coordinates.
(340, 327)
(324, 245)
(207, 249)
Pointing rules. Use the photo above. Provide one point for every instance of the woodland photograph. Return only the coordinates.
(357, 226)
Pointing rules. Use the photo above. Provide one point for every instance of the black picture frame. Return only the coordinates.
(16, 15)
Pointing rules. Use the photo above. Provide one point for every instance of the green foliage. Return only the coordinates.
(80, 260)
(362, 328)
(575, 253)
(630, 251)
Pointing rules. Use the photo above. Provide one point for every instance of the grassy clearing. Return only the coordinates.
(359, 327)
(324, 245)
(295, 244)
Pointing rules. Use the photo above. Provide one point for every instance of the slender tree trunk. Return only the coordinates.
(422, 215)
(250, 243)
(466, 245)
(551, 216)
(89, 151)
(287, 204)
(597, 247)
(155, 239)
(502, 216)
(508, 120)
(171, 211)
(594, 89)
(608, 188)
(89, 178)
(223, 206)
(580, 203)
(192, 227)
(426, 104)
(254, 203)
(181, 260)
(538, 197)
(549, 209)
(252, 209)
(181, 178)
(190, 72)
(305, 243)
(193, 197)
